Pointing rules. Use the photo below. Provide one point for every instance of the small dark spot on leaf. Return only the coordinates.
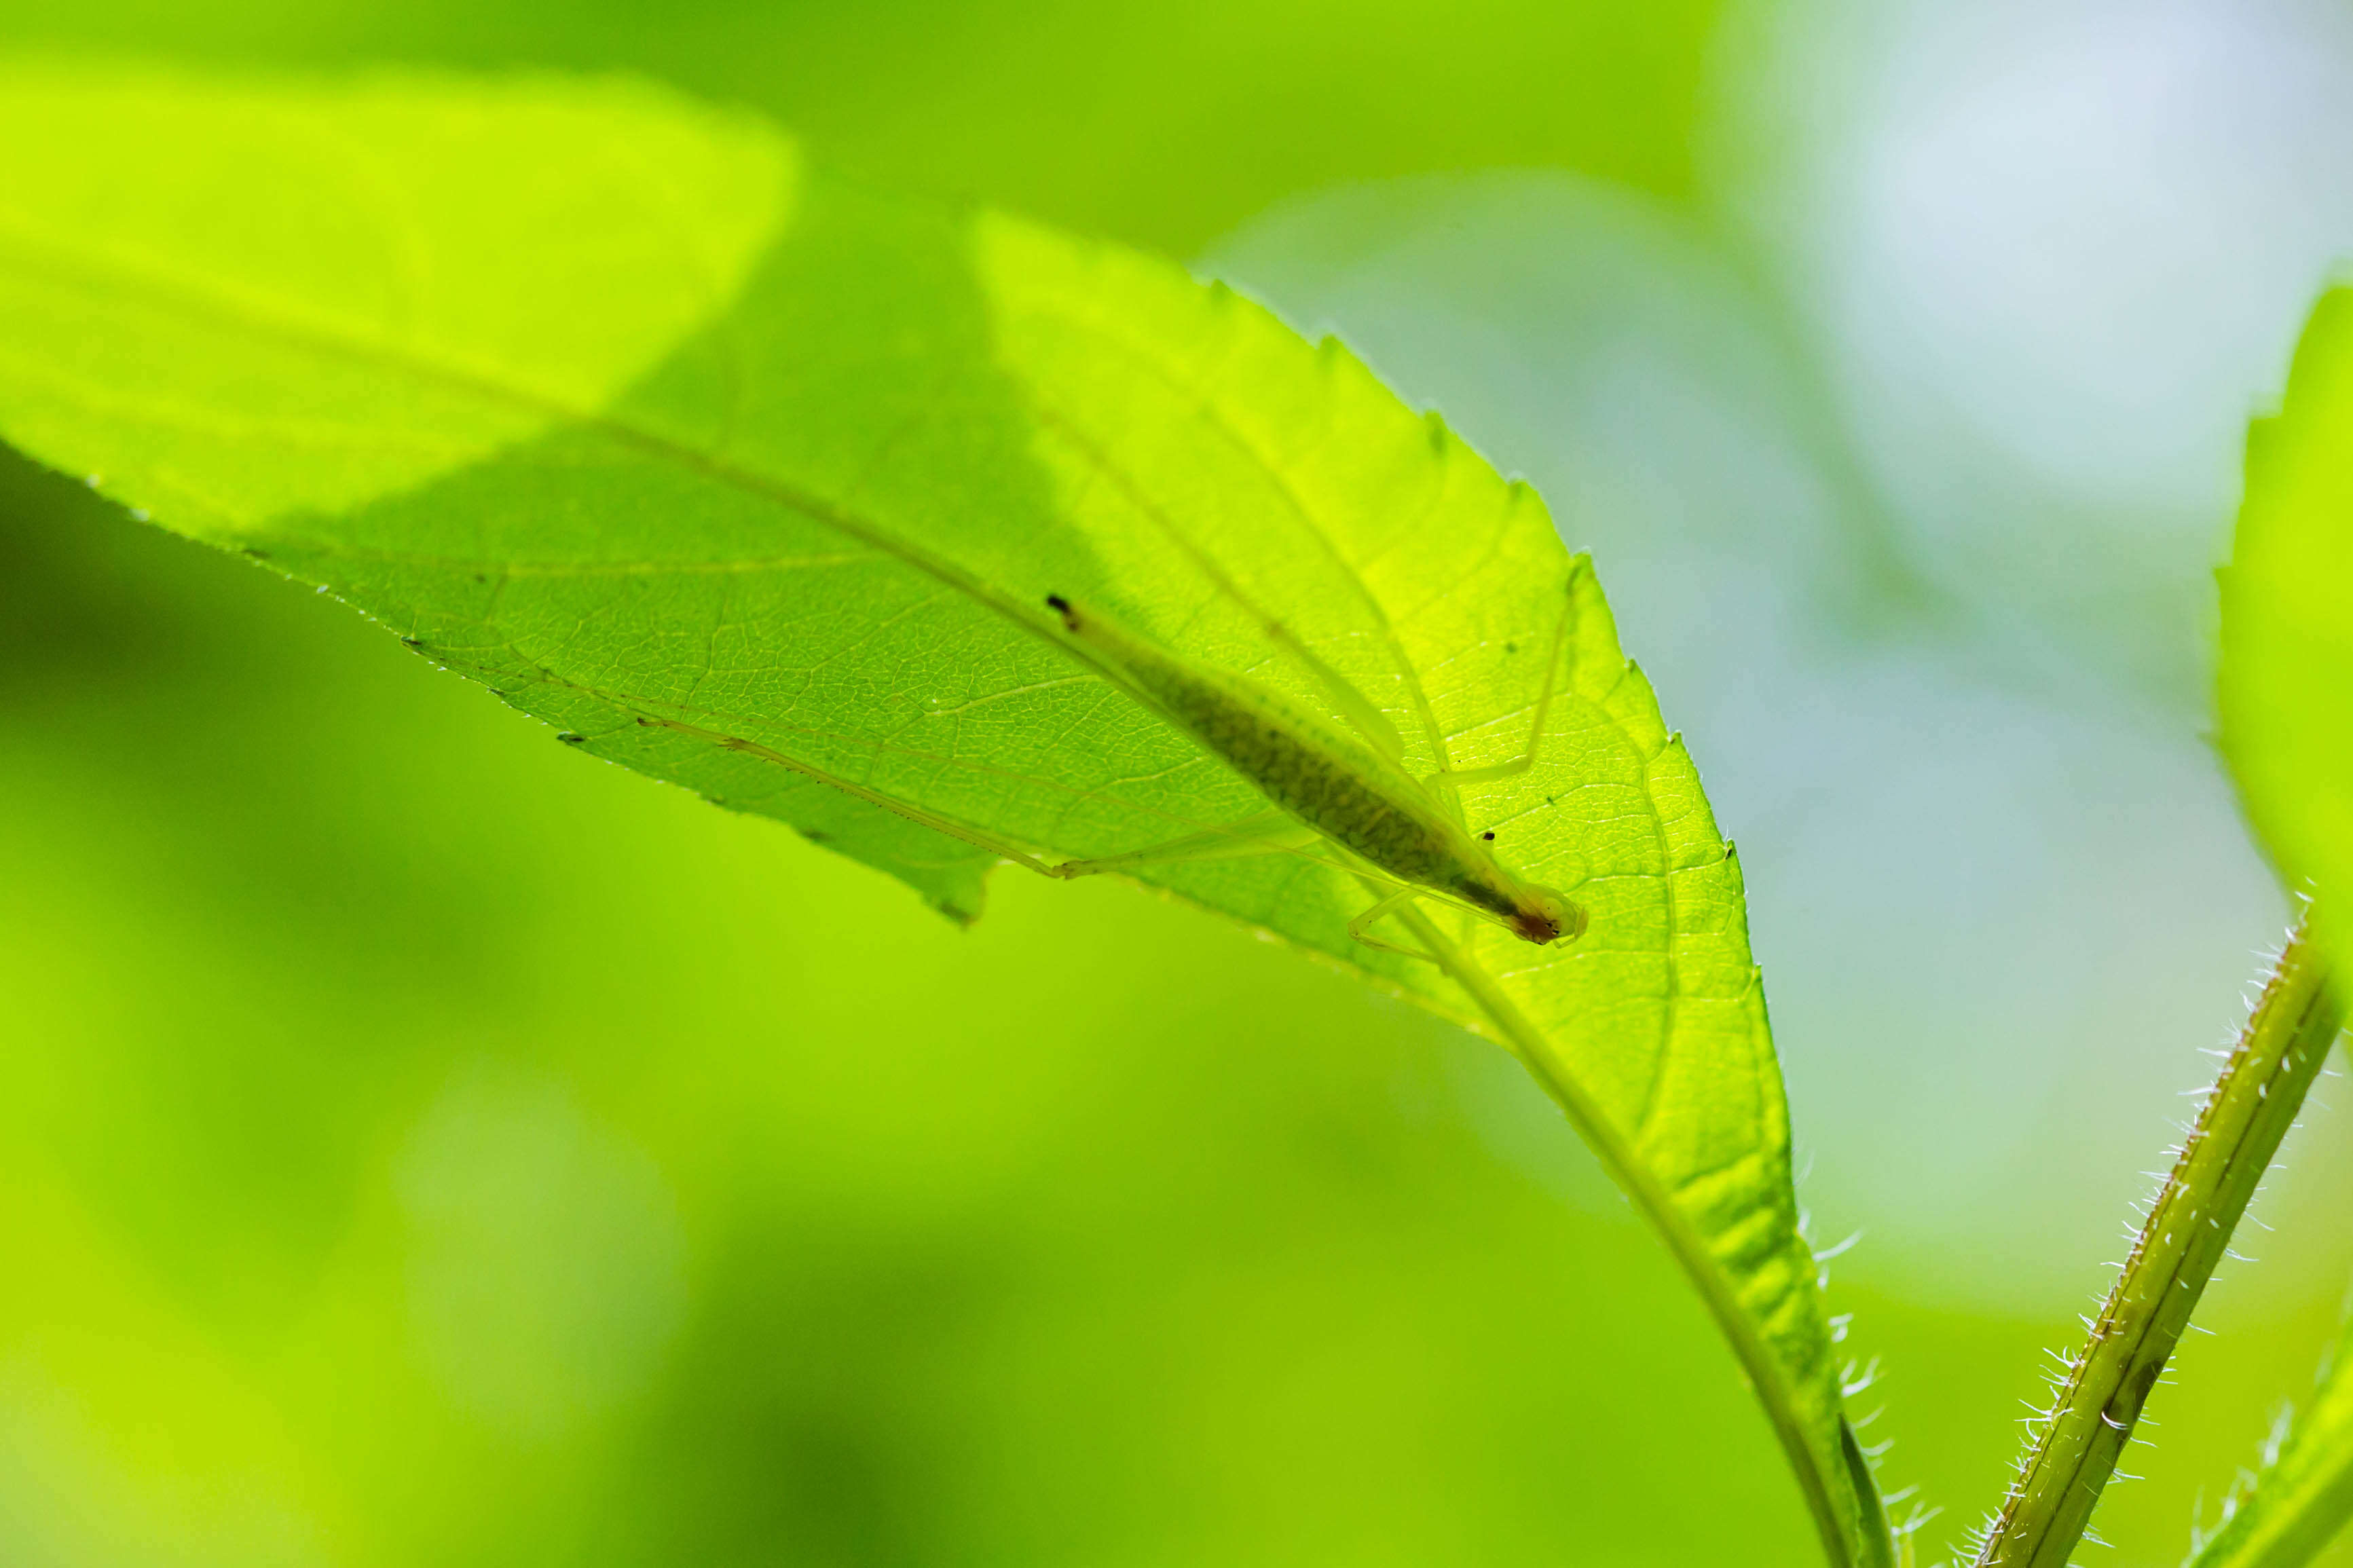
(412, 642)
(254, 554)
(816, 836)
(480, 578)
(572, 738)
(1488, 836)
(1511, 648)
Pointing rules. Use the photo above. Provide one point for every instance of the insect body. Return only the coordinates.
(1343, 790)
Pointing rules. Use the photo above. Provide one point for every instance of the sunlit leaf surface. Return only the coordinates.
(599, 399)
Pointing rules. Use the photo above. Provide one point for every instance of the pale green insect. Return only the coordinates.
(1328, 790)
(1345, 791)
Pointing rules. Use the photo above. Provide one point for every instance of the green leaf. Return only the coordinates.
(2286, 687)
(2287, 620)
(2294, 1505)
(757, 481)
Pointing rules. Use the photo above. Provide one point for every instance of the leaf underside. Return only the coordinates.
(601, 399)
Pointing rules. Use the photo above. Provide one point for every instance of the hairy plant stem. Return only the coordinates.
(2237, 1130)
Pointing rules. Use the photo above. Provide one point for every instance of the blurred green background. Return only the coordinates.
(419, 1143)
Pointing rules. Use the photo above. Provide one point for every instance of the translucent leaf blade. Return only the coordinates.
(755, 482)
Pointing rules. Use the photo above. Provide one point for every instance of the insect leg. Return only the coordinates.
(1528, 754)
(1361, 927)
(916, 814)
(1269, 833)
(1366, 720)
(1370, 722)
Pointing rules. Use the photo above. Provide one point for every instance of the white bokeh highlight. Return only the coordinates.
(2055, 255)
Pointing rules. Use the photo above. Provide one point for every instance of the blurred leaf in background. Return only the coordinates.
(2291, 1507)
(2288, 620)
(1159, 125)
(2286, 700)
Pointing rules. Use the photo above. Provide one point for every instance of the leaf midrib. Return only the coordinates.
(1690, 1249)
